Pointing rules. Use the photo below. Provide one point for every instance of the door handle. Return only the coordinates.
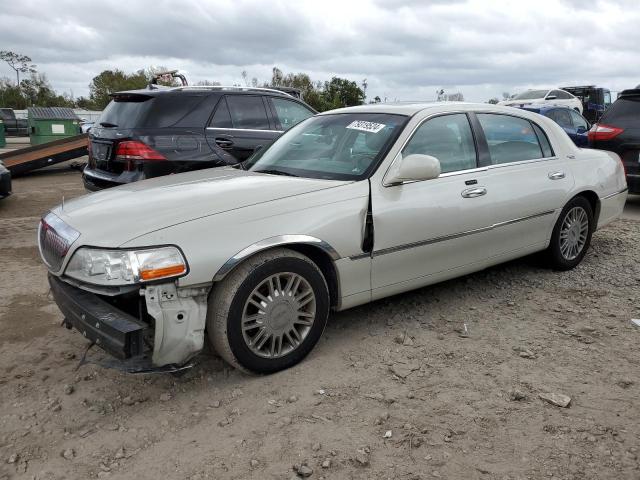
(224, 142)
(474, 192)
(556, 175)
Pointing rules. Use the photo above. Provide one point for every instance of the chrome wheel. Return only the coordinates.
(278, 315)
(573, 233)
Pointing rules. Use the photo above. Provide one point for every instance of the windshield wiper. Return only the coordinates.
(276, 172)
(108, 125)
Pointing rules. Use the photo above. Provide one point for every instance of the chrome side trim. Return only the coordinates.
(615, 193)
(445, 238)
(244, 129)
(280, 240)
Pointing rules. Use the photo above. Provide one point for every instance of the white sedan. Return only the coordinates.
(545, 97)
(347, 207)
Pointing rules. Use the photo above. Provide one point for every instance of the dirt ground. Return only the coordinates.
(394, 390)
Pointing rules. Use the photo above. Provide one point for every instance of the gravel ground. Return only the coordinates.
(397, 389)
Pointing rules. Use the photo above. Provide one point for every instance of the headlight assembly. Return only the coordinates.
(125, 267)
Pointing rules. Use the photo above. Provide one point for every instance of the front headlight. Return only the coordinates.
(125, 267)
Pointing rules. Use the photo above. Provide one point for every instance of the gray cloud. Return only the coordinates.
(405, 48)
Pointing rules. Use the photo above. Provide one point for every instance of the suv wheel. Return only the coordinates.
(269, 312)
(571, 234)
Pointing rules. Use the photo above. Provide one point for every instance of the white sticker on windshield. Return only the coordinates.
(366, 126)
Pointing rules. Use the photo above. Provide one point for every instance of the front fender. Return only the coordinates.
(277, 241)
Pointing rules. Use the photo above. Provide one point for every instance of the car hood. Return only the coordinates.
(113, 217)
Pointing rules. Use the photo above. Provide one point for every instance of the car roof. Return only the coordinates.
(411, 109)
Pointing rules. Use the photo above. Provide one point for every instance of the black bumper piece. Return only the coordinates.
(115, 331)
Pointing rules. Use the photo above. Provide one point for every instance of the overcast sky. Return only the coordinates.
(406, 49)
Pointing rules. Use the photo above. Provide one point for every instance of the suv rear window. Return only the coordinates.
(145, 111)
(623, 111)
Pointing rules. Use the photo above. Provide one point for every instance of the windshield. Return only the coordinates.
(343, 146)
(531, 94)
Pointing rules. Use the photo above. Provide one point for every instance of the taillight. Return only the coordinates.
(135, 150)
(601, 132)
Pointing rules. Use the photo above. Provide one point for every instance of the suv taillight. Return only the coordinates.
(601, 132)
(135, 150)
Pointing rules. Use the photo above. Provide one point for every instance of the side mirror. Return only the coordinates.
(581, 130)
(550, 97)
(414, 167)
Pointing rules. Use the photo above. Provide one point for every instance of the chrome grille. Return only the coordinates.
(54, 239)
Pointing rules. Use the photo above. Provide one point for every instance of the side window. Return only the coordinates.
(578, 120)
(247, 111)
(290, 113)
(607, 99)
(221, 117)
(547, 151)
(510, 139)
(561, 117)
(563, 95)
(555, 93)
(449, 139)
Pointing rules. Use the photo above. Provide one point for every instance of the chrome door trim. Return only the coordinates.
(217, 129)
(444, 238)
(614, 193)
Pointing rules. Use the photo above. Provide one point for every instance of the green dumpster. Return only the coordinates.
(3, 141)
(47, 124)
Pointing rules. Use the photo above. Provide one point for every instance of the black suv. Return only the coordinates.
(159, 131)
(619, 131)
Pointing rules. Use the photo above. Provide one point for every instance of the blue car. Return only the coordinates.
(571, 121)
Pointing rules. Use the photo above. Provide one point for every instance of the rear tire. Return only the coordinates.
(571, 235)
(269, 312)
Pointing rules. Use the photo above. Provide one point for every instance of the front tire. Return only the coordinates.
(571, 235)
(269, 312)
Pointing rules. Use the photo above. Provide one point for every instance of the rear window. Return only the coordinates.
(142, 111)
(623, 111)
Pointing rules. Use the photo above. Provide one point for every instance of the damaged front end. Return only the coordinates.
(126, 301)
(157, 328)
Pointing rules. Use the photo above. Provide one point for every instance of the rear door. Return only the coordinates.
(527, 182)
(288, 112)
(240, 124)
(581, 127)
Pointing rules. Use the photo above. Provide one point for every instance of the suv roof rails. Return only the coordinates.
(231, 88)
(631, 92)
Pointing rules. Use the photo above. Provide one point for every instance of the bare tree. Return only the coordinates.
(19, 63)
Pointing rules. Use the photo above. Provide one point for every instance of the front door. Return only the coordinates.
(426, 230)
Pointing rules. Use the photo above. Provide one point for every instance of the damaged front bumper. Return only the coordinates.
(166, 331)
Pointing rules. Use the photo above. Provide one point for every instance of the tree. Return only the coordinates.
(19, 63)
(10, 95)
(493, 101)
(111, 81)
(455, 97)
(207, 83)
(340, 92)
(506, 95)
(38, 92)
